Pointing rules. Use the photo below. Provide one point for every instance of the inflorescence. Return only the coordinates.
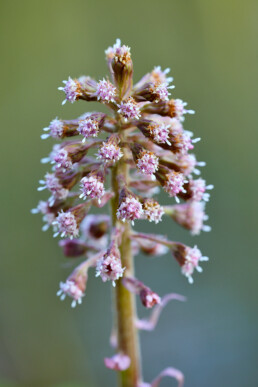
(156, 147)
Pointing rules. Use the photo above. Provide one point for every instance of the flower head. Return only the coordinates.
(148, 163)
(55, 128)
(178, 109)
(198, 189)
(63, 160)
(147, 296)
(160, 133)
(160, 91)
(118, 52)
(106, 92)
(152, 210)
(129, 208)
(88, 127)
(72, 90)
(174, 183)
(188, 259)
(92, 186)
(110, 151)
(53, 184)
(157, 75)
(109, 267)
(71, 289)
(129, 109)
(66, 224)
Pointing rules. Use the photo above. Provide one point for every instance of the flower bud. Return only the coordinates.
(121, 67)
(147, 296)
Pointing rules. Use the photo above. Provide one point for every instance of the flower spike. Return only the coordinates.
(124, 158)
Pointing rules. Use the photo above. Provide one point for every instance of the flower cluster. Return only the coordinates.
(139, 148)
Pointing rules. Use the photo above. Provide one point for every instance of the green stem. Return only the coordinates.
(125, 304)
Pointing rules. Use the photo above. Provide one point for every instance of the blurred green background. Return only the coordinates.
(211, 47)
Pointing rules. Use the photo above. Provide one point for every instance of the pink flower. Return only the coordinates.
(109, 152)
(129, 209)
(157, 75)
(88, 127)
(198, 190)
(174, 183)
(188, 258)
(106, 91)
(152, 210)
(71, 289)
(92, 186)
(149, 298)
(192, 258)
(160, 133)
(66, 224)
(53, 184)
(56, 129)
(129, 109)
(109, 267)
(148, 163)
(179, 109)
(63, 160)
(72, 90)
(118, 52)
(185, 143)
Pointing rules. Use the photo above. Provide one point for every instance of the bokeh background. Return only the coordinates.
(211, 47)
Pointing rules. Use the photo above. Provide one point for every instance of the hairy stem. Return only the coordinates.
(127, 334)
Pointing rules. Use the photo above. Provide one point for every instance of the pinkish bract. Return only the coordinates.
(123, 157)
